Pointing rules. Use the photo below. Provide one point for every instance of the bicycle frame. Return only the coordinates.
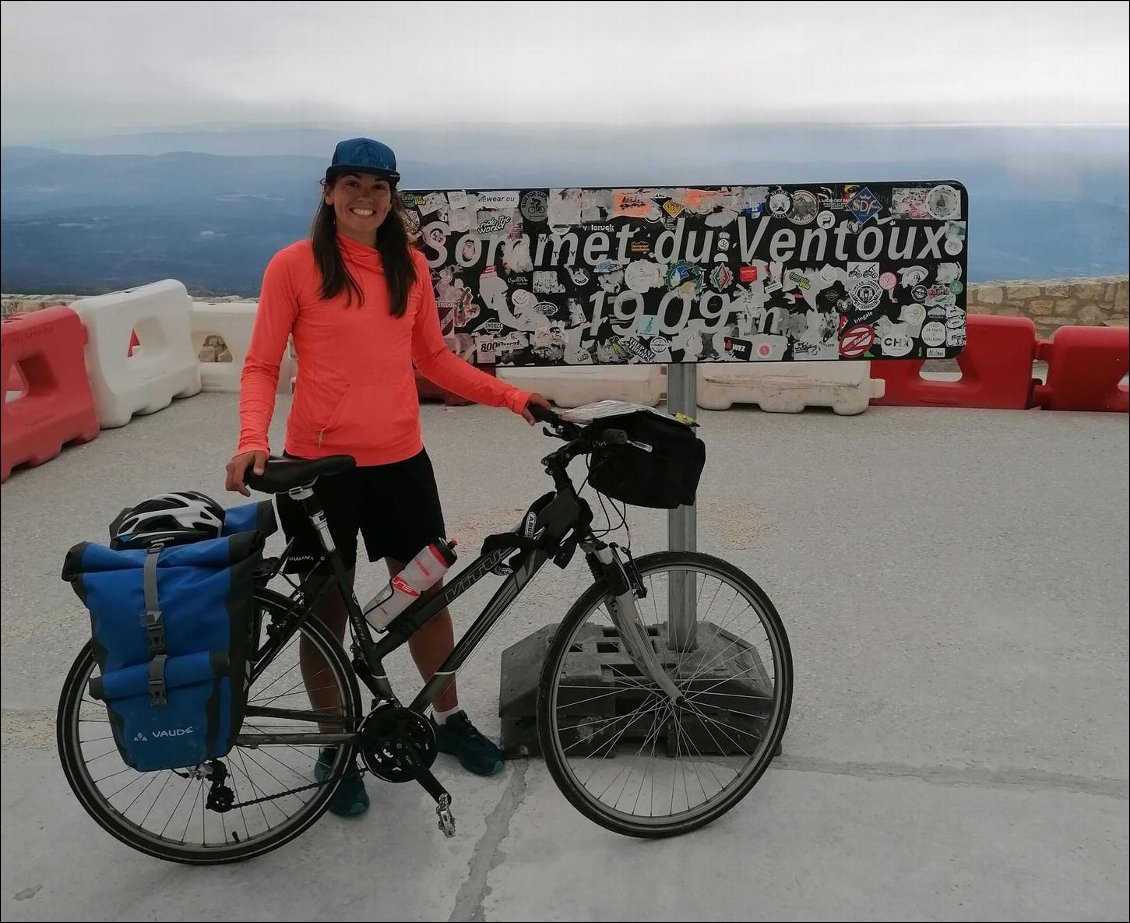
(413, 618)
(553, 527)
(561, 521)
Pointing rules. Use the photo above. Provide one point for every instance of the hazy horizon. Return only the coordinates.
(1045, 202)
(74, 138)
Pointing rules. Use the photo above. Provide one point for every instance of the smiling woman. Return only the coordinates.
(360, 204)
(357, 298)
(359, 193)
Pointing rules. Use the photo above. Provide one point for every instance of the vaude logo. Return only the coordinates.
(172, 732)
(168, 732)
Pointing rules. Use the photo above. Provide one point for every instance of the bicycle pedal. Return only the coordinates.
(446, 821)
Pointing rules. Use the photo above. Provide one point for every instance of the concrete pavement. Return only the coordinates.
(954, 584)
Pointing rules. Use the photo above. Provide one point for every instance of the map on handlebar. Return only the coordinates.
(599, 410)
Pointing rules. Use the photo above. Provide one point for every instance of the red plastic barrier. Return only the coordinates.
(43, 353)
(996, 370)
(1085, 369)
(427, 390)
(15, 383)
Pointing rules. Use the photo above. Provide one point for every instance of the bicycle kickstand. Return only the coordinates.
(443, 801)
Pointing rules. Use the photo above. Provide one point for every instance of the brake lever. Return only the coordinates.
(559, 430)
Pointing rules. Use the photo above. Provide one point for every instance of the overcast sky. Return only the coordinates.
(76, 68)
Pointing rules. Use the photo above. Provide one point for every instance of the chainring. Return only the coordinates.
(397, 743)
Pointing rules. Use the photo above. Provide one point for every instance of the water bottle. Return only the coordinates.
(422, 572)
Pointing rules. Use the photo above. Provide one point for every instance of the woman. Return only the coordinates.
(358, 300)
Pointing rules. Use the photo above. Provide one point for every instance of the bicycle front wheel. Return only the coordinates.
(276, 795)
(623, 753)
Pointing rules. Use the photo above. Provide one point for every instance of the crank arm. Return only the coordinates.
(443, 800)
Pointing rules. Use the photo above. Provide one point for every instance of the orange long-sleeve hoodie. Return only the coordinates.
(356, 389)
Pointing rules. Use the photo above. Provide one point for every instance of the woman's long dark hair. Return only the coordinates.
(392, 244)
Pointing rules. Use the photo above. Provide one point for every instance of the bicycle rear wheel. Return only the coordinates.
(626, 756)
(165, 814)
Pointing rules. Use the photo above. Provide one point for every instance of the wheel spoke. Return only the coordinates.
(646, 765)
(166, 813)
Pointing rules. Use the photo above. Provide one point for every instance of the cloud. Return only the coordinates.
(71, 67)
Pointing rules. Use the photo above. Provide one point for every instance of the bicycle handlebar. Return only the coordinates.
(578, 438)
(544, 414)
(562, 428)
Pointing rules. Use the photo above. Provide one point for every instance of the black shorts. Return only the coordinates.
(395, 507)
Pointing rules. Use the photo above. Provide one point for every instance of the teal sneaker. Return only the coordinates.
(350, 799)
(461, 739)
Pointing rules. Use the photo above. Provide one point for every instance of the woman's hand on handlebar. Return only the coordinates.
(237, 470)
(529, 412)
(559, 426)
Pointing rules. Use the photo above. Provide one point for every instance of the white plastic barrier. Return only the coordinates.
(789, 387)
(164, 365)
(572, 386)
(232, 321)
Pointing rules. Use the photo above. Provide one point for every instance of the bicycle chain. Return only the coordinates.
(292, 791)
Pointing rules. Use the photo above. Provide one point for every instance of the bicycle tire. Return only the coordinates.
(571, 639)
(74, 702)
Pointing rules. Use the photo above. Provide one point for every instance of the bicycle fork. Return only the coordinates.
(626, 617)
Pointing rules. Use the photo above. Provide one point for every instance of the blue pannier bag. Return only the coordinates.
(174, 628)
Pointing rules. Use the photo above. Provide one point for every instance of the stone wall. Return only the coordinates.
(23, 304)
(1055, 303)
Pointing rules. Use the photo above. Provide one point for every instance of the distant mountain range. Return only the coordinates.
(210, 208)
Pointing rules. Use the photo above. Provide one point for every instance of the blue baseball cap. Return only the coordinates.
(363, 155)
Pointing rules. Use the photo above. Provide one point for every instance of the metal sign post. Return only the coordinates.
(682, 381)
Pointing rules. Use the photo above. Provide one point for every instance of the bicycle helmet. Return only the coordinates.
(172, 518)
